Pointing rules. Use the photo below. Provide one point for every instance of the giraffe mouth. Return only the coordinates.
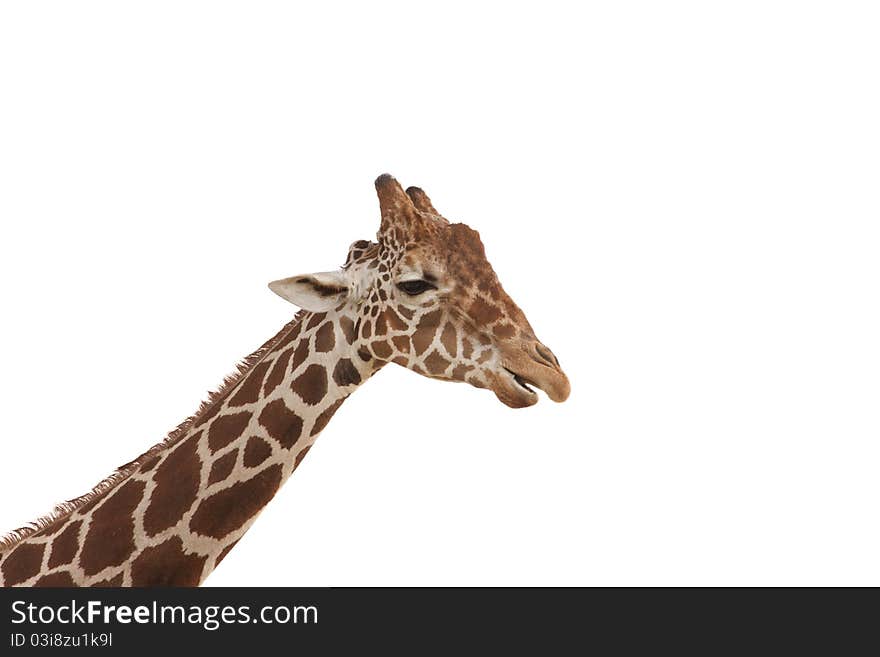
(524, 383)
(519, 390)
(519, 381)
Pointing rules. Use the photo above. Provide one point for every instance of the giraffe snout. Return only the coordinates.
(548, 374)
(532, 363)
(543, 355)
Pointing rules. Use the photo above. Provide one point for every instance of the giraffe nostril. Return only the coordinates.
(546, 355)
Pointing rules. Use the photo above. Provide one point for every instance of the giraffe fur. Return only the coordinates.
(422, 296)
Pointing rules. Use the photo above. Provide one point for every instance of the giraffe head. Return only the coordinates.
(424, 296)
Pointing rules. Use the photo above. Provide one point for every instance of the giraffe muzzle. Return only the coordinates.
(530, 366)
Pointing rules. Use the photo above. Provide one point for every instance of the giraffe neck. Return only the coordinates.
(172, 515)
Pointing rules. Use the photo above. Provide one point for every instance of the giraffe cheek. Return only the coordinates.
(381, 349)
(421, 340)
(461, 371)
(449, 339)
(395, 322)
(401, 343)
(381, 326)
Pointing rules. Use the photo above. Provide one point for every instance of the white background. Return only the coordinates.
(683, 198)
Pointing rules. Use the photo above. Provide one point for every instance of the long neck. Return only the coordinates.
(173, 514)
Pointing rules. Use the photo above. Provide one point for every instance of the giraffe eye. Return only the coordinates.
(416, 287)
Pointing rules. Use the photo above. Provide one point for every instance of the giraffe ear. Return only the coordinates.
(315, 292)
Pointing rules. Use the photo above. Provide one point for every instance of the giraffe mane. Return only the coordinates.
(123, 472)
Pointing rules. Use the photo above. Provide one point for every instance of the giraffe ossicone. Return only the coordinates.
(422, 296)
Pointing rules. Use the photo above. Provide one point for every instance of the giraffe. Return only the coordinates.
(422, 296)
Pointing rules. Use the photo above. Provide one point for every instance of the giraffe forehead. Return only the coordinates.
(455, 249)
(481, 295)
(455, 254)
(467, 264)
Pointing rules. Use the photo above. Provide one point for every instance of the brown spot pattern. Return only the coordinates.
(504, 331)
(57, 526)
(301, 353)
(300, 456)
(421, 340)
(314, 320)
(449, 339)
(226, 429)
(483, 313)
(291, 333)
(177, 485)
(209, 413)
(281, 423)
(276, 376)
(311, 385)
(83, 510)
(381, 325)
(256, 451)
(395, 323)
(324, 338)
(460, 371)
(116, 580)
(110, 540)
(324, 417)
(60, 579)
(222, 467)
(23, 563)
(347, 327)
(430, 320)
(249, 389)
(150, 463)
(229, 509)
(435, 363)
(381, 348)
(65, 545)
(345, 373)
(167, 564)
(224, 552)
